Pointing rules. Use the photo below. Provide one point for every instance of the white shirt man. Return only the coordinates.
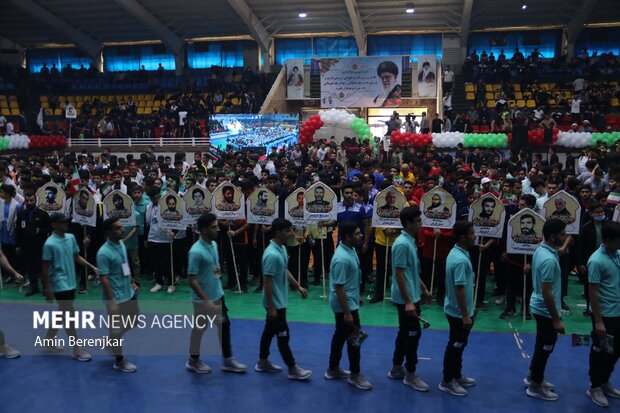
(448, 76)
(578, 84)
(575, 106)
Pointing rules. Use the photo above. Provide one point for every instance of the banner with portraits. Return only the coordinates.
(119, 205)
(84, 208)
(438, 209)
(320, 203)
(362, 81)
(228, 202)
(50, 198)
(427, 76)
(566, 208)
(525, 232)
(295, 79)
(198, 201)
(386, 208)
(488, 215)
(616, 217)
(262, 207)
(171, 209)
(294, 208)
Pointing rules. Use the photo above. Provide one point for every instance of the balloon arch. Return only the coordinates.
(335, 117)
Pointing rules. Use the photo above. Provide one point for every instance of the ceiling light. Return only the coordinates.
(303, 15)
(410, 10)
(524, 6)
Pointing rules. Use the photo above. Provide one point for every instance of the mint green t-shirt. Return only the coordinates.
(344, 270)
(275, 265)
(459, 272)
(60, 253)
(405, 256)
(604, 270)
(202, 260)
(110, 260)
(546, 269)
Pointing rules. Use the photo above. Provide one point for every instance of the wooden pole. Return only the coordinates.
(385, 270)
(323, 271)
(433, 270)
(523, 302)
(232, 252)
(478, 272)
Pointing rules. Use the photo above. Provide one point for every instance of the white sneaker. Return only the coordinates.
(397, 372)
(465, 381)
(156, 288)
(8, 352)
(598, 396)
(171, 289)
(54, 349)
(500, 300)
(549, 386)
(297, 373)
(336, 374)
(414, 381)
(359, 381)
(267, 367)
(81, 355)
(197, 366)
(232, 365)
(537, 391)
(453, 388)
(125, 366)
(610, 390)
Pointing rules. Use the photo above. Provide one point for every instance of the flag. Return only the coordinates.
(74, 185)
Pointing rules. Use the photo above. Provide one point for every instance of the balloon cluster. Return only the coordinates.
(14, 142)
(448, 139)
(42, 142)
(417, 140)
(537, 136)
(486, 140)
(574, 139)
(335, 117)
(608, 138)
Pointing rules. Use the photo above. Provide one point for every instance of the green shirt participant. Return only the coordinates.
(545, 305)
(407, 289)
(459, 309)
(604, 291)
(207, 296)
(118, 288)
(344, 298)
(276, 277)
(60, 253)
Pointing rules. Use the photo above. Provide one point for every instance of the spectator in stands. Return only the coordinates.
(448, 79)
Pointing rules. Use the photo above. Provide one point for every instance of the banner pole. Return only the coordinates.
(523, 303)
(433, 270)
(385, 272)
(172, 265)
(323, 270)
(478, 273)
(85, 256)
(232, 252)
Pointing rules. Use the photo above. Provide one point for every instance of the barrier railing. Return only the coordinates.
(139, 142)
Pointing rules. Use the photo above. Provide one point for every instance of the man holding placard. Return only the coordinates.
(604, 279)
(545, 306)
(407, 289)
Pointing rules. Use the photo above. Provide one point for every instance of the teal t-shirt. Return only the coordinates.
(110, 260)
(604, 270)
(546, 269)
(202, 260)
(275, 265)
(405, 256)
(459, 272)
(60, 252)
(344, 270)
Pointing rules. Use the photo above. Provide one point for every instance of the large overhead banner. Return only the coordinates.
(360, 81)
(295, 79)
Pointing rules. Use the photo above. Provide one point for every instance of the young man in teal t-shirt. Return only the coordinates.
(545, 306)
(276, 278)
(604, 291)
(344, 299)
(205, 275)
(60, 253)
(459, 309)
(407, 291)
(119, 290)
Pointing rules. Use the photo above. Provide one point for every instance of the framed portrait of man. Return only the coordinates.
(524, 232)
(320, 203)
(566, 208)
(228, 201)
(488, 214)
(84, 207)
(119, 205)
(50, 198)
(386, 208)
(171, 211)
(438, 209)
(262, 207)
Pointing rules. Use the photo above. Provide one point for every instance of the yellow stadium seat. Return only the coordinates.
(614, 102)
(469, 96)
(531, 103)
(4, 104)
(490, 103)
(148, 111)
(469, 87)
(14, 112)
(6, 112)
(142, 104)
(518, 95)
(58, 112)
(103, 99)
(236, 101)
(12, 98)
(489, 95)
(512, 102)
(140, 111)
(45, 105)
(13, 105)
(93, 112)
(218, 109)
(517, 87)
(521, 102)
(489, 88)
(49, 112)
(79, 99)
(552, 102)
(43, 99)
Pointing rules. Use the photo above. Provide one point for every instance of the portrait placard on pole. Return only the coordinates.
(262, 207)
(524, 232)
(566, 208)
(488, 215)
(171, 209)
(119, 205)
(228, 201)
(438, 209)
(84, 208)
(320, 203)
(386, 208)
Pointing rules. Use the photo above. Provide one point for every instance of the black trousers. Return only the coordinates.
(514, 287)
(408, 338)
(366, 264)
(125, 310)
(298, 255)
(144, 258)
(546, 336)
(328, 253)
(485, 261)
(223, 330)
(179, 254)
(65, 303)
(453, 357)
(342, 333)
(565, 267)
(31, 263)
(277, 327)
(160, 262)
(381, 269)
(602, 363)
(440, 276)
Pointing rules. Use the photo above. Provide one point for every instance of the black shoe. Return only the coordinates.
(482, 307)
(316, 281)
(259, 289)
(587, 313)
(375, 299)
(31, 291)
(528, 315)
(229, 287)
(82, 290)
(565, 307)
(440, 300)
(507, 314)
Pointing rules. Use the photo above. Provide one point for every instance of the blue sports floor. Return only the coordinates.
(52, 384)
